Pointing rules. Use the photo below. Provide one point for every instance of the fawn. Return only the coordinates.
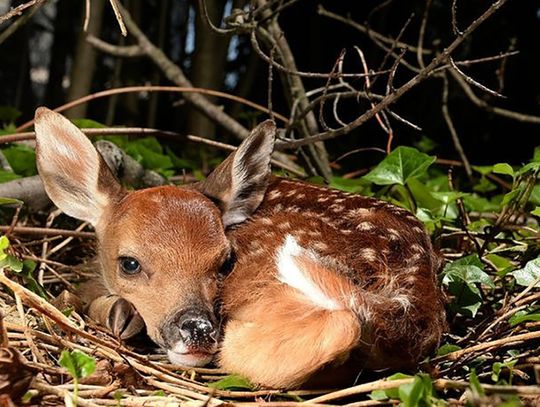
(306, 277)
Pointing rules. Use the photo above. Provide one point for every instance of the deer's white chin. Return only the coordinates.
(190, 359)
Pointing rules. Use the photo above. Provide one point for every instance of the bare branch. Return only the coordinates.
(422, 34)
(391, 98)
(471, 81)
(129, 51)
(118, 15)
(510, 114)
(208, 21)
(452, 129)
(4, 35)
(363, 29)
(17, 11)
(178, 89)
(282, 68)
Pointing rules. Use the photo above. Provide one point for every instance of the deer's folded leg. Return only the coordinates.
(117, 314)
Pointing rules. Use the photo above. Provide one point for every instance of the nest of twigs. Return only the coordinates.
(37, 329)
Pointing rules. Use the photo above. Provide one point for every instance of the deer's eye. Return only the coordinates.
(129, 265)
(227, 265)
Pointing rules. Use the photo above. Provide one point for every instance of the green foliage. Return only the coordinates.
(8, 114)
(417, 393)
(25, 269)
(22, 159)
(498, 368)
(232, 382)
(528, 274)
(446, 349)
(78, 364)
(525, 316)
(475, 385)
(399, 166)
(463, 278)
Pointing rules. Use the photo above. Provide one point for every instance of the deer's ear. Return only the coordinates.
(239, 183)
(75, 175)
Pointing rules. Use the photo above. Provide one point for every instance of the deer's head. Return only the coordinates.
(160, 248)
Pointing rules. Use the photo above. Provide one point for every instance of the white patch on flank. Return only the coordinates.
(291, 274)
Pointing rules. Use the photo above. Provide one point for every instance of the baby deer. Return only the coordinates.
(306, 277)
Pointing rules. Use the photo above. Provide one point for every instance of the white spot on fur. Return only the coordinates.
(346, 231)
(300, 196)
(291, 274)
(266, 221)
(291, 193)
(340, 200)
(417, 248)
(274, 194)
(285, 225)
(394, 234)
(337, 208)
(403, 301)
(368, 254)
(323, 199)
(365, 226)
(320, 246)
(361, 212)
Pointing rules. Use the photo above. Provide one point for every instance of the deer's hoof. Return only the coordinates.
(124, 321)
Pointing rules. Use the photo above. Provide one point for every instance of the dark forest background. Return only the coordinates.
(47, 61)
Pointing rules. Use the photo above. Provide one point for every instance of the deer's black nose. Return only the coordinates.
(197, 330)
(194, 327)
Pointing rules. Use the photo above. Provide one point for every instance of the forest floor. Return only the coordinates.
(53, 355)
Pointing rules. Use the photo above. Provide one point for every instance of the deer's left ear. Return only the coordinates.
(239, 183)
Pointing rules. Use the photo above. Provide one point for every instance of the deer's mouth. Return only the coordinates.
(193, 358)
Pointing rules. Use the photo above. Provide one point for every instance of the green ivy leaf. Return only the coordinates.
(378, 395)
(399, 166)
(502, 264)
(349, 185)
(6, 176)
(536, 211)
(523, 316)
(528, 274)
(475, 385)
(504, 169)
(447, 348)
(87, 124)
(417, 393)
(22, 159)
(232, 382)
(8, 114)
(77, 363)
(149, 153)
(461, 278)
(10, 201)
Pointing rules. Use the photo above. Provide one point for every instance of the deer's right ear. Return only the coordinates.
(239, 183)
(75, 176)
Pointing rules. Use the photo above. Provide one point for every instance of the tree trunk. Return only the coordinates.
(85, 60)
(208, 68)
(63, 46)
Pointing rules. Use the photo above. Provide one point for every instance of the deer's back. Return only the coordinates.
(373, 244)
